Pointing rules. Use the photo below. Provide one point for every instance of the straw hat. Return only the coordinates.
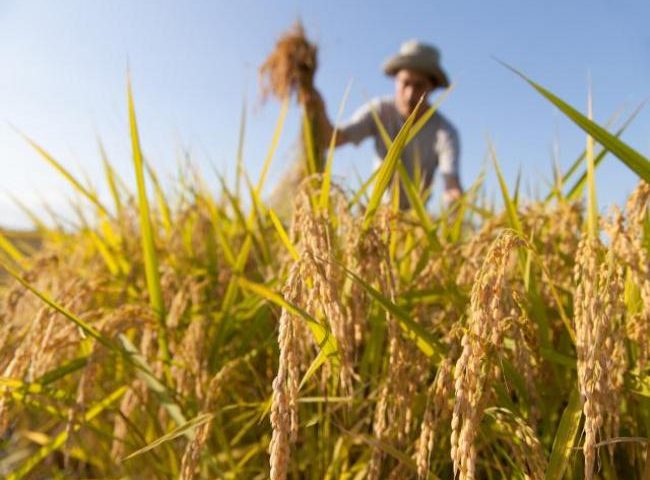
(418, 56)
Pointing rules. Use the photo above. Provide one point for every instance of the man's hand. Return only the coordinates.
(451, 195)
(453, 190)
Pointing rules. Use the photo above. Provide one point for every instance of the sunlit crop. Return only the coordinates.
(201, 336)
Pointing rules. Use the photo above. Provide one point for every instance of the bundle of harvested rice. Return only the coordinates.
(289, 69)
(291, 66)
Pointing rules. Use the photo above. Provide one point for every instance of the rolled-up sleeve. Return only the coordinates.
(448, 149)
(361, 125)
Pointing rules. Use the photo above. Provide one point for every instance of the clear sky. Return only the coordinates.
(192, 62)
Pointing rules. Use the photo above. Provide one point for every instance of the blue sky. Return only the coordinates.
(194, 62)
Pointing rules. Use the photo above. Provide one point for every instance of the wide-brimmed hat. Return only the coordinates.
(418, 56)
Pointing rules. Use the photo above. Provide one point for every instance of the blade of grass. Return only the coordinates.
(148, 243)
(186, 429)
(328, 347)
(242, 257)
(327, 174)
(163, 206)
(515, 197)
(87, 328)
(551, 284)
(421, 122)
(417, 205)
(626, 154)
(399, 455)
(283, 235)
(577, 189)
(323, 337)
(11, 251)
(36, 220)
(274, 145)
(110, 175)
(388, 167)
(217, 225)
(426, 342)
(258, 216)
(592, 204)
(144, 371)
(113, 265)
(387, 140)
(565, 438)
(62, 370)
(240, 150)
(576, 164)
(363, 189)
(67, 175)
(511, 209)
(308, 138)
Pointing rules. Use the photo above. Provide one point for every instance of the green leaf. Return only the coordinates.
(388, 167)
(111, 179)
(283, 235)
(86, 327)
(574, 167)
(38, 223)
(388, 448)
(308, 138)
(626, 154)
(67, 175)
(186, 429)
(576, 190)
(363, 189)
(511, 209)
(163, 206)
(274, 145)
(426, 342)
(62, 370)
(421, 122)
(418, 206)
(565, 438)
(240, 149)
(231, 290)
(9, 248)
(322, 335)
(418, 125)
(148, 243)
(592, 203)
(146, 374)
(327, 175)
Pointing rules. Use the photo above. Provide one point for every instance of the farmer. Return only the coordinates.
(417, 72)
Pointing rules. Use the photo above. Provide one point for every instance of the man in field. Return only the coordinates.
(417, 72)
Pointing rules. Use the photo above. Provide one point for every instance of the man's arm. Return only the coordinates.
(315, 107)
(359, 127)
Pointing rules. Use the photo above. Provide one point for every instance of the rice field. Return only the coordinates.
(201, 336)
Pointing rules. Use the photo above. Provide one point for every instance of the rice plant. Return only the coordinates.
(201, 336)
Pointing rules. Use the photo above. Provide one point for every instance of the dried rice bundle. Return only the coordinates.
(288, 70)
(290, 67)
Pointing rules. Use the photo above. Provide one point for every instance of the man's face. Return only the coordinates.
(410, 85)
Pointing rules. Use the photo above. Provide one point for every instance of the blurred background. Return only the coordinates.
(194, 63)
